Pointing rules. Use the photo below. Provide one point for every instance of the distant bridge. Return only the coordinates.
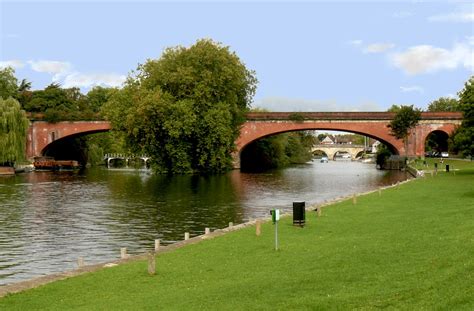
(332, 149)
(42, 135)
(109, 157)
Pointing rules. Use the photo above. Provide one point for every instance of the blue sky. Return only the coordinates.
(308, 56)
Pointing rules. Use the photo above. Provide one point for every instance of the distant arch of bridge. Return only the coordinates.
(332, 149)
(258, 125)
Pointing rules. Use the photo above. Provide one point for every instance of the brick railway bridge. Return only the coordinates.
(42, 135)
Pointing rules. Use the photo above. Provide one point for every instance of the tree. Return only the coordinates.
(394, 108)
(185, 108)
(58, 104)
(98, 96)
(8, 83)
(444, 104)
(13, 128)
(464, 136)
(405, 119)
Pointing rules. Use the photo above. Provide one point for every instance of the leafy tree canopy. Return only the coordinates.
(13, 127)
(464, 137)
(185, 108)
(8, 83)
(444, 104)
(405, 119)
(98, 96)
(394, 108)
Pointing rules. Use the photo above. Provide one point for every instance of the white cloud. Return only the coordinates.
(378, 47)
(62, 73)
(292, 104)
(89, 80)
(15, 63)
(456, 17)
(414, 88)
(426, 58)
(50, 66)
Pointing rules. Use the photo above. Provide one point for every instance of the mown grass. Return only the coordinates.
(410, 248)
(454, 164)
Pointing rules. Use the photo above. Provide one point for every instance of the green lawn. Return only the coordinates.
(455, 164)
(410, 248)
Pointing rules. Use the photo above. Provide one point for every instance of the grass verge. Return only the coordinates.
(412, 247)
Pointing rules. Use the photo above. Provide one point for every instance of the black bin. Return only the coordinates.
(447, 168)
(299, 214)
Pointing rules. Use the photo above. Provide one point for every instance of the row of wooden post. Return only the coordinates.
(151, 255)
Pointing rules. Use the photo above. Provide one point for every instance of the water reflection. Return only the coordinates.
(49, 219)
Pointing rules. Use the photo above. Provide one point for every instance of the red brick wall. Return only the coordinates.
(41, 133)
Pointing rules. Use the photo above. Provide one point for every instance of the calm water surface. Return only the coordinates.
(49, 219)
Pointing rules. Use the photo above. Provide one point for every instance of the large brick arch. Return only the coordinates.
(255, 130)
(41, 134)
(371, 124)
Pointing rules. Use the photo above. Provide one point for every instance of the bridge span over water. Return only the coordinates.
(333, 149)
(41, 135)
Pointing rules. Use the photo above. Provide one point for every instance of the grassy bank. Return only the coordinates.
(410, 248)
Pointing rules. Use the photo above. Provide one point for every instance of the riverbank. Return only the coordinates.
(409, 248)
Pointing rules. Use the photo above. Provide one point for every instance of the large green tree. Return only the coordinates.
(8, 83)
(444, 104)
(13, 128)
(185, 108)
(464, 137)
(11, 87)
(404, 121)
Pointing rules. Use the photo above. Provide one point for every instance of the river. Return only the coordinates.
(49, 219)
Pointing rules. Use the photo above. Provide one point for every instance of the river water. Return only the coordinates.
(49, 219)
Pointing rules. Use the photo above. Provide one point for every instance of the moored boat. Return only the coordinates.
(47, 163)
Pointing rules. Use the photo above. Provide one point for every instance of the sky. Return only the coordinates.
(307, 55)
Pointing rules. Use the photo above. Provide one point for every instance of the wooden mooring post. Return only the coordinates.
(258, 227)
(123, 253)
(151, 263)
(157, 245)
(207, 231)
(80, 262)
(186, 236)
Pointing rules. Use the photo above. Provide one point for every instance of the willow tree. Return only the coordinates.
(13, 129)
